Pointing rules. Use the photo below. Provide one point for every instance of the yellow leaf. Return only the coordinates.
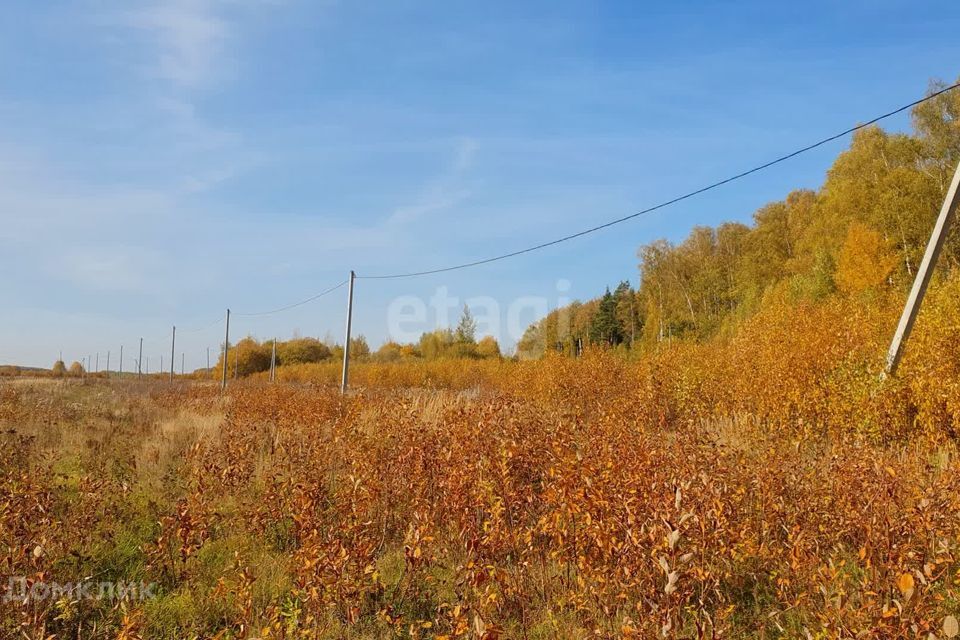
(950, 626)
(905, 583)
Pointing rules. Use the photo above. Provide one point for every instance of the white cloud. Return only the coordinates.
(189, 38)
(106, 268)
(444, 192)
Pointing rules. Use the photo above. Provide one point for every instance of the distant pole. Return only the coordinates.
(61, 355)
(96, 369)
(183, 357)
(273, 361)
(208, 358)
(108, 363)
(173, 353)
(226, 352)
(161, 364)
(120, 371)
(139, 361)
(344, 379)
(919, 289)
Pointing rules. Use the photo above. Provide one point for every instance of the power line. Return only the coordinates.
(218, 321)
(295, 304)
(667, 203)
(203, 328)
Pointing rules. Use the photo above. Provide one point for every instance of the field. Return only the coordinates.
(766, 486)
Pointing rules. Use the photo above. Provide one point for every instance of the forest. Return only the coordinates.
(858, 237)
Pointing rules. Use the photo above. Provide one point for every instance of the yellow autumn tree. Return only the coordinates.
(865, 260)
(488, 347)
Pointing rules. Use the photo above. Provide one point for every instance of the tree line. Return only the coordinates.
(861, 234)
(249, 355)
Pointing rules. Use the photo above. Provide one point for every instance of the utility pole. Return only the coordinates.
(173, 353)
(120, 371)
(919, 289)
(208, 357)
(273, 361)
(345, 377)
(161, 364)
(183, 357)
(226, 352)
(139, 361)
(108, 363)
(96, 369)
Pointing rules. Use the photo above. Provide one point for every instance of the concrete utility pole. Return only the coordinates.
(934, 246)
(183, 357)
(120, 371)
(173, 352)
(139, 361)
(226, 352)
(208, 358)
(345, 377)
(273, 361)
(96, 369)
(108, 363)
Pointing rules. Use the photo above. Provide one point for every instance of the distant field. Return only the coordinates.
(565, 499)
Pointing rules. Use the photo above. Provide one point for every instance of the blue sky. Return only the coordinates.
(161, 161)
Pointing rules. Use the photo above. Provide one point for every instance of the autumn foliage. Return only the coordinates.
(766, 485)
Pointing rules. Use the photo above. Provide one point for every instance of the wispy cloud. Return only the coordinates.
(445, 191)
(189, 37)
(106, 267)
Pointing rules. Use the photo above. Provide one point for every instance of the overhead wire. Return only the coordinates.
(294, 305)
(667, 203)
